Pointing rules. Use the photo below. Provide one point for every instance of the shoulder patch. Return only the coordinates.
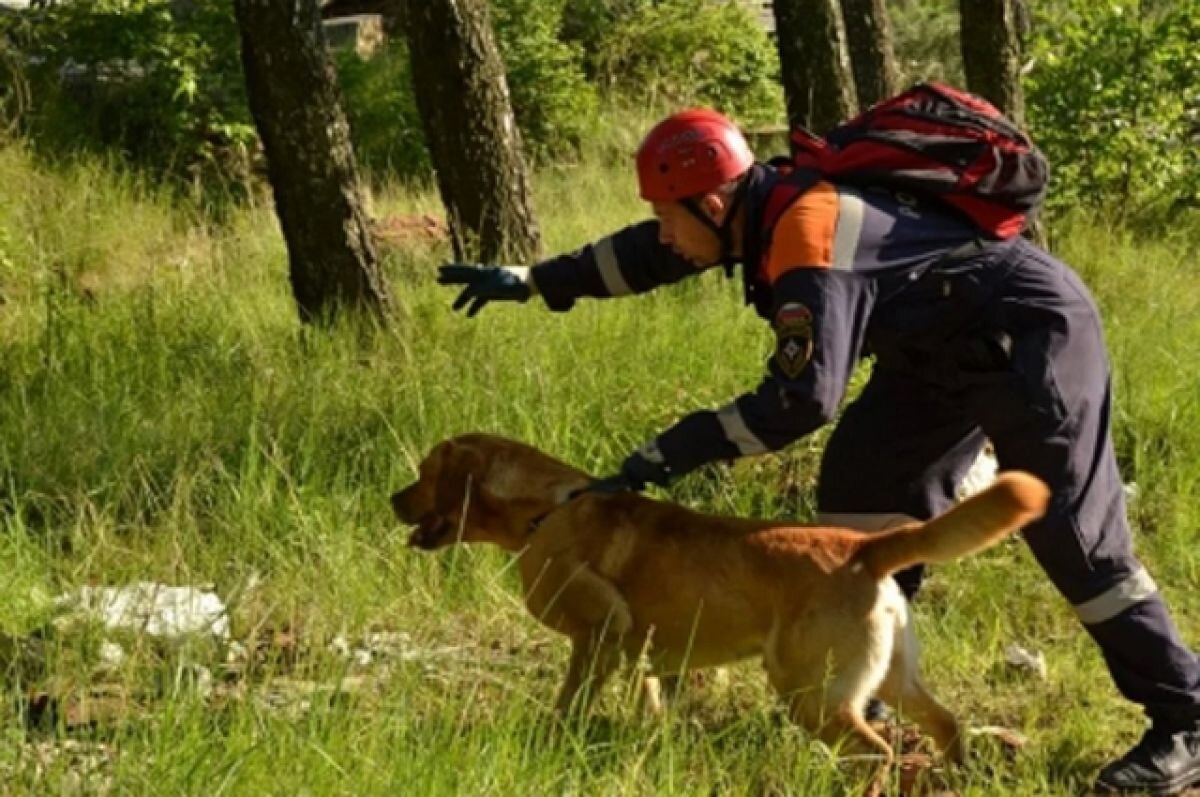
(794, 341)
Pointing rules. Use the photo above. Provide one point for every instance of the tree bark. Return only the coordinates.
(991, 33)
(816, 66)
(462, 95)
(296, 105)
(869, 37)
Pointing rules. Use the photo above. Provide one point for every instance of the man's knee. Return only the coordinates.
(1097, 572)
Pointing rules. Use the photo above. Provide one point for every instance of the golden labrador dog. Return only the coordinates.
(625, 574)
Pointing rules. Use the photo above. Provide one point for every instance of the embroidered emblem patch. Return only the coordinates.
(793, 338)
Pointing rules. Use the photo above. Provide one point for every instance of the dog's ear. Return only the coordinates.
(506, 488)
(515, 476)
(460, 468)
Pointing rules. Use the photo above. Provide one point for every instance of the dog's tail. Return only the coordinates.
(1013, 500)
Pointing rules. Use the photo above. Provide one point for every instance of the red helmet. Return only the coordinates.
(689, 153)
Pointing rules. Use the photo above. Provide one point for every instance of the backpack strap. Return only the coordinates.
(790, 186)
(780, 197)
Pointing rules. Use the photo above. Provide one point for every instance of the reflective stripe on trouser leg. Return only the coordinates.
(1149, 662)
(1126, 593)
(1118, 603)
(909, 579)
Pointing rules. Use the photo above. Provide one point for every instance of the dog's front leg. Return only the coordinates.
(593, 659)
(568, 595)
(571, 597)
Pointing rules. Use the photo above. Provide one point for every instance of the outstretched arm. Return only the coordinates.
(626, 262)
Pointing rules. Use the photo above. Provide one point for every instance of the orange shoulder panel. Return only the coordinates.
(803, 236)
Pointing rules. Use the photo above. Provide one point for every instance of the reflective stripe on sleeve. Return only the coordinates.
(610, 268)
(738, 433)
(652, 453)
(525, 274)
(1125, 594)
(849, 228)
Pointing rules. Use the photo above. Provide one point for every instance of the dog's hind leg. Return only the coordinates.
(658, 692)
(672, 689)
(843, 727)
(650, 696)
(825, 674)
(903, 688)
(835, 723)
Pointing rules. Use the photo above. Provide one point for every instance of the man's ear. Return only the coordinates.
(714, 205)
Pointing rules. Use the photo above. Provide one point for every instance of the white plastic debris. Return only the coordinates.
(1026, 660)
(982, 473)
(194, 677)
(112, 655)
(236, 654)
(149, 608)
(1006, 736)
(389, 646)
(359, 655)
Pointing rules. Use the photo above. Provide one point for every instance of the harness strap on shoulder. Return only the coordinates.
(782, 195)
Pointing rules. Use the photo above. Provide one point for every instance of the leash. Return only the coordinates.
(537, 521)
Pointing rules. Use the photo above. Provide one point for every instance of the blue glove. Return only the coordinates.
(636, 472)
(485, 284)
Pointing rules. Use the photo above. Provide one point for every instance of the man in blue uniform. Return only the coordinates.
(971, 341)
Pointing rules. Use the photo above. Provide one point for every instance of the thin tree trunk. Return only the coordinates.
(869, 38)
(991, 33)
(469, 126)
(816, 66)
(296, 105)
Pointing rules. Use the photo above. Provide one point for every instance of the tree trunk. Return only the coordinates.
(991, 33)
(473, 140)
(296, 105)
(816, 67)
(869, 36)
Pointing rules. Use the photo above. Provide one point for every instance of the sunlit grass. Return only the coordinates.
(165, 418)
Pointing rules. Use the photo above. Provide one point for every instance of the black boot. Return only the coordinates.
(1165, 761)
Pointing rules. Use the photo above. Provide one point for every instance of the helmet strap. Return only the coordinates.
(724, 230)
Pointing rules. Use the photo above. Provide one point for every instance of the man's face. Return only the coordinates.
(679, 229)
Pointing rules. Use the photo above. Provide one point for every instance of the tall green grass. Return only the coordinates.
(165, 417)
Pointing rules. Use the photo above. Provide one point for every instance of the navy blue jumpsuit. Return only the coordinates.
(994, 341)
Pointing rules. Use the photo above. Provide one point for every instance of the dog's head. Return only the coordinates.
(481, 488)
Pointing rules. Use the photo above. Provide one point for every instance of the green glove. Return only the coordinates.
(485, 284)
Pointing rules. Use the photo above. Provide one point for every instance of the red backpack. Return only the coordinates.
(932, 140)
